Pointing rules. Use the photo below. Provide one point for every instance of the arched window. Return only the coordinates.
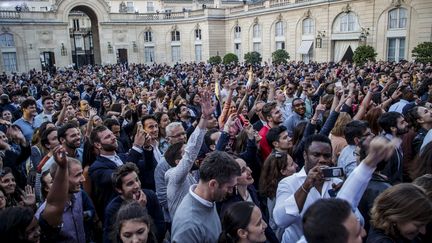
(348, 22)
(175, 35)
(397, 18)
(237, 32)
(256, 31)
(308, 26)
(279, 31)
(6, 40)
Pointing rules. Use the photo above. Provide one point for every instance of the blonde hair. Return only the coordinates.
(400, 204)
(339, 127)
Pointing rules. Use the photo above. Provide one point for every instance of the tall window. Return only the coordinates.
(257, 47)
(256, 31)
(280, 45)
(347, 22)
(198, 53)
(9, 56)
(149, 54)
(237, 32)
(148, 37)
(175, 53)
(9, 61)
(175, 35)
(237, 49)
(308, 26)
(6, 40)
(150, 7)
(130, 7)
(397, 18)
(279, 29)
(396, 49)
(198, 34)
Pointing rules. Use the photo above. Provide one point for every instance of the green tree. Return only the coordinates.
(214, 60)
(252, 57)
(230, 58)
(423, 52)
(363, 54)
(280, 56)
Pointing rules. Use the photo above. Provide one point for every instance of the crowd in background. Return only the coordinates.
(297, 152)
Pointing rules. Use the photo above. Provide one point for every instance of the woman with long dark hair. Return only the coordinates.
(242, 222)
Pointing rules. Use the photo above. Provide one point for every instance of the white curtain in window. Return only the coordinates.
(9, 61)
(341, 47)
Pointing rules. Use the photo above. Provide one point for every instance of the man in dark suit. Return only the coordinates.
(108, 160)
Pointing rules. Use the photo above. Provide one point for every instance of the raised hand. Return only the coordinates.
(380, 149)
(207, 107)
(60, 156)
(141, 136)
(141, 198)
(29, 197)
(233, 85)
(93, 112)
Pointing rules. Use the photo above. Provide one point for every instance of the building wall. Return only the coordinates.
(35, 32)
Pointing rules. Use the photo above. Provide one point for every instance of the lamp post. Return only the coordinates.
(363, 36)
(318, 39)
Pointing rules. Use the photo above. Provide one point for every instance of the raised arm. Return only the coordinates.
(58, 194)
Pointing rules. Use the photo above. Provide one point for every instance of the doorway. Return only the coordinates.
(47, 60)
(348, 56)
(122, 57)
(84, 36)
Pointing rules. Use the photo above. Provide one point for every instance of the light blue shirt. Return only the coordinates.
(398, 107)
(347, 159)
(27, 128)
(426, 140)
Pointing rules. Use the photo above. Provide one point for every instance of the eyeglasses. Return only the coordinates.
(178, 135)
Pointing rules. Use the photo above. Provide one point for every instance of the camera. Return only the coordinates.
(329, 172)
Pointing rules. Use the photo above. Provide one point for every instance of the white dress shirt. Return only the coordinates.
(286, 213)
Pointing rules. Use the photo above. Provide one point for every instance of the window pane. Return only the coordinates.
(6, 40)
(391, 49)
(237, 32)
(279, 29)
(237, 49)
(344, 23)
(280, 45)
(175, 53)
(9, 61)
(308, 26)
(351, 21)
(401, 48)
(149, 54)
(256, 31)
(198, 34)
(393, 19)
(257, 47)
(402, 18)
(198, 53)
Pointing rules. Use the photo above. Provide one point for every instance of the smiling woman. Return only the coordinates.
(400, 213)
(243, 222)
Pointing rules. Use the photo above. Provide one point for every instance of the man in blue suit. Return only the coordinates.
(108, 161)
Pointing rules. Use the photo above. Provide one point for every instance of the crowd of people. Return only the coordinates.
(297, 152)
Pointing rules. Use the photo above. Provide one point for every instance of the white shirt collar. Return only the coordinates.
(114, 158)
(198, 198)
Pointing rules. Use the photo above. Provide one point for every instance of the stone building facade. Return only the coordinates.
(182, 30)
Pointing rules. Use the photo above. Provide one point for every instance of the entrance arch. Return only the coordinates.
(96, 10)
